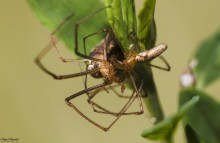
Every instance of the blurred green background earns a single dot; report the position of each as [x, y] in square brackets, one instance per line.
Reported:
[32, 106]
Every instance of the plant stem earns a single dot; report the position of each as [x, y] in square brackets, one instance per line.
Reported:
[150, 98]
[122, 18]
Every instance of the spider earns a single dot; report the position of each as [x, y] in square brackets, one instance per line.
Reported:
[106, 61]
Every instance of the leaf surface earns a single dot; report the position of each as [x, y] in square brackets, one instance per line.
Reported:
[207, 60]
[203, 118]
[52, 12]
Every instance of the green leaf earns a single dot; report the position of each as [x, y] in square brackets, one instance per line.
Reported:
[207, 58]
[117, 22]
[122, 18]
[203, 118]
[147, 39]
[191, 135]
[52, 12]
[129, 16]
[161, 130]
[146, 27]
[184, 108]
[166, 128]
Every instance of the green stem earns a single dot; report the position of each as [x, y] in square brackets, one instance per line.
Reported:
[122, 19]
[150, 98]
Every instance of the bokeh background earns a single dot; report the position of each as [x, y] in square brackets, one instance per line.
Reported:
[32, 104]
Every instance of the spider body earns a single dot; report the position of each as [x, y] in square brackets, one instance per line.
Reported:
[108, 51]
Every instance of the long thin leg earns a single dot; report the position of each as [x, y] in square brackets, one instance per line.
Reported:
[131, 99]
[86, 90]
[54, 42]
[58, 77]
[81, 69]
[104, 48]
[118, 94]
[67, 100]
[138, 95]
[106, 111]
[118, 115]
[95, 105]
[77, 25]
[105, 58]
[124, 109]
[118, 84]
[90, 35]
[129, 103]
[167, 68]
[90, 96]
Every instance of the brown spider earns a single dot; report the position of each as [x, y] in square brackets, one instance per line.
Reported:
[106, 61]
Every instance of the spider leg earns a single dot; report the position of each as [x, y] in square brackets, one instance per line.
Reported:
[138, 96]
[167, 68]
[53, 41]
[106, 111]
[55, 76]
[67, 100]
[77, 25]
[118, 94]
[124, 109]
[126, 106]
[90, 35]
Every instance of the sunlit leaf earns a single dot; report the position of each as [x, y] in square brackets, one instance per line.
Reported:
[166, 128]
[203, 118]
[52, 12]
[146, 27]
[161, 130]
[122, 19]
